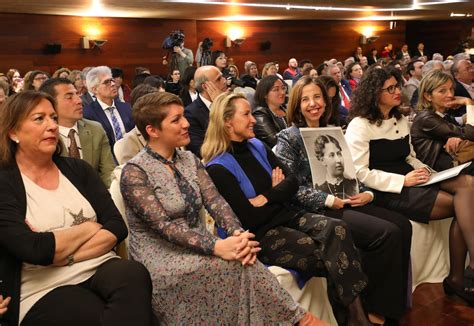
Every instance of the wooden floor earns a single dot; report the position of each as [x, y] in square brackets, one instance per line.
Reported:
[431, 307]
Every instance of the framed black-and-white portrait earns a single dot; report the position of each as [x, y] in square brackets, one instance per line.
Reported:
[332, 168]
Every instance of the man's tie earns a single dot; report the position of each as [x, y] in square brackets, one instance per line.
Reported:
[345, 99]
[73, 149]
[115, 124]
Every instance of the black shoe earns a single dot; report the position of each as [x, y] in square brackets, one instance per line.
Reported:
[451, 290]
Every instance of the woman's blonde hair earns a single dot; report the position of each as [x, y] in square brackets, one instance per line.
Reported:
[266, 68]
[429, 83]
[217, 139]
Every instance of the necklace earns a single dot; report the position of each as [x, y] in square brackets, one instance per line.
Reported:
[337, 193]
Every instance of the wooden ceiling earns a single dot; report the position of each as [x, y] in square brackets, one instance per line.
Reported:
[237, 9]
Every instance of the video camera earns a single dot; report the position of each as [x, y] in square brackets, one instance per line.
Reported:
[176, 38]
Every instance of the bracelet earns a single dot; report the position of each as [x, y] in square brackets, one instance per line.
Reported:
[70, 260]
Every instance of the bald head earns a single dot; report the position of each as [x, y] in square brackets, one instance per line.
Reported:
[209, 81]
[293, 63]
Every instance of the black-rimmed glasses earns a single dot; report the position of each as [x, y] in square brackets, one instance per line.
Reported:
[391, 89]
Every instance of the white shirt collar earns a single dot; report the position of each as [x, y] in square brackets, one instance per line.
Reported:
[64, 131]
[208, 103]
[105, 106]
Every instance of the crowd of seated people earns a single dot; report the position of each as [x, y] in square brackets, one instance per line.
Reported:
[63, 134]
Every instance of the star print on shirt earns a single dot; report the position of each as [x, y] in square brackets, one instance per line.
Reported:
[79, 218]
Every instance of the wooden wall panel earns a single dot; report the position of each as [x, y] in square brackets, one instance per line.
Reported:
[131, 42]
[137, 42]
[313, 40]
[438, 36]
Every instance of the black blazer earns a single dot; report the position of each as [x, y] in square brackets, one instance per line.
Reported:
[95, 112]
[429, 134]
[249, 81]
[185, 97]
[19, 244]
[459, 90]
[197, 114]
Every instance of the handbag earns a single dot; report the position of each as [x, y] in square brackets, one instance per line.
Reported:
[465, 152]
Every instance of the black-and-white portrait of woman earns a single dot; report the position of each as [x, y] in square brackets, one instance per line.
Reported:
[329, 153]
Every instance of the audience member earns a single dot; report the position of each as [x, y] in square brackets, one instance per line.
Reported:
[260, 200]
[114, 116]
[270, 112]
[188, 91]
[209, 83]
[172, 83]
[372, 58]
[81, 138]
[438, 57]
[345, 90]
[4, 89]
[378, 138]
[34, 80]
[140, 79]
[436, 136]
[123, 90]
[322, 69]
[292, 72]
[250, 78]
[61, 73]
[142, 70]
[133, 141]
[414, 71]
[79, 81]
[15, 80]
[219, 60]
[463, 72]
[382, 236]
[335, 113]
[155, 81]
[419, 52]
[269, 69]
[59, 257]
[358, 54]
[88, 97]
[189, 263]
[403, 54]
[353, 74]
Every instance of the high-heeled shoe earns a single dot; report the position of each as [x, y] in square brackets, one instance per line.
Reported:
[451, 290]
[469, 280]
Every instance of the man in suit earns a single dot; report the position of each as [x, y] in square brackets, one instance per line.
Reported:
[114, 116]
[345, 90]
[209, 83]
[463, 73]
[81, 138]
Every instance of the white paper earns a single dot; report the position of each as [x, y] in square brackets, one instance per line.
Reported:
[444, 175]
[470, 114]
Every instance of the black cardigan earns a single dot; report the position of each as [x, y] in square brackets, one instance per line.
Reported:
[257, 219]
[19, 244]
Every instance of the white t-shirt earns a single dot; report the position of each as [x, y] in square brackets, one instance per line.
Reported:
[47, 211]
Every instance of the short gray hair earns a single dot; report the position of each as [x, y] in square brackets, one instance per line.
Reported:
[199, 80]
[430, 65]
[437, 56]
[93, 76]
[331, 66]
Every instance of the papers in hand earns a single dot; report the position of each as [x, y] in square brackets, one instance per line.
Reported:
[446, 174]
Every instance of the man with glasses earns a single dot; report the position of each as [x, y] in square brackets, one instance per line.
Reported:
[209, 83]
[114, 116]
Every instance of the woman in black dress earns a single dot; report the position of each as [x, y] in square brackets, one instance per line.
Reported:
[379, 139]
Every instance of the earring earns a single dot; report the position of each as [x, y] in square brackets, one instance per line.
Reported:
[16, 141]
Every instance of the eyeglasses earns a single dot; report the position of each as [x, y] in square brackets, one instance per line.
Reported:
[391, 89]
[107, 82]
[278, 89]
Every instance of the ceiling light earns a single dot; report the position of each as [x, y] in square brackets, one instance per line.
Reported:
[457, 15]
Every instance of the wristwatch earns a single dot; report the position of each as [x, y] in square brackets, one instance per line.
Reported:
[70, 260]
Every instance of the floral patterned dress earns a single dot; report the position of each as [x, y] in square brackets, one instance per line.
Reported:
[190, 285]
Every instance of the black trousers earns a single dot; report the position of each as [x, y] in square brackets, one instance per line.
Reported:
[384, 240]
[317, 245]
[119, 293]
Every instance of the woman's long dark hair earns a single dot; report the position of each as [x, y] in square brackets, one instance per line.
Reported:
[366, 97]
[332, 107]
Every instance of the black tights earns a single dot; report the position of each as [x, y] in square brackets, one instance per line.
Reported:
[456, 198]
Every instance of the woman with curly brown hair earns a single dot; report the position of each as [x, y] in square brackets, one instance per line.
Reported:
[379, 139]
